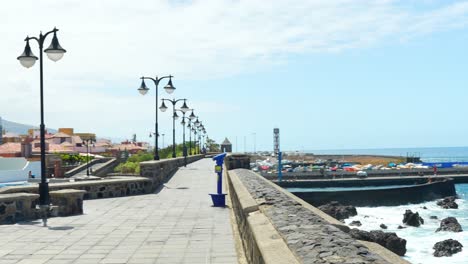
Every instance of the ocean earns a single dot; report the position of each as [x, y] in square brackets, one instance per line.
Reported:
[420, 240]
[432, 154]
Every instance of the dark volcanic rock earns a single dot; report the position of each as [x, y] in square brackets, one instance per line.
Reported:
[338, 211]
[448, 203]
[447, 248]
[412, 219]
[388, 240]
[433, 217]
[449, 224]
[424, 207]
[383, 226]
[355, 223]
[401, 227]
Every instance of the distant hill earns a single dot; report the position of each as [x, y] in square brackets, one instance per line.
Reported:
[20, 129]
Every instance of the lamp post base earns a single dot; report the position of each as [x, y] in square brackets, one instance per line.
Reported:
[219, 199]
[43, 212]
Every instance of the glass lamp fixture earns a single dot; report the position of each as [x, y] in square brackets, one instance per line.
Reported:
[176, 116]
[143, 89]
[27, 59]
[163, 107]
[192, 116]
[184, 108]
[169, 87]
[55, 52]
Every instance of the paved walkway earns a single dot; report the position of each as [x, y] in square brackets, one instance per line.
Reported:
[176, 225]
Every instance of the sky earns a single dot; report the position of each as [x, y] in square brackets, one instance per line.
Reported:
[336, 74]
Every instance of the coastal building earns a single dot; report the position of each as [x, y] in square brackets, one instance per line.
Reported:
[10, 149]
[226, 146]
[129, 147]
[10, 137]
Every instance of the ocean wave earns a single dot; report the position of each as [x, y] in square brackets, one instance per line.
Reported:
[420, 240]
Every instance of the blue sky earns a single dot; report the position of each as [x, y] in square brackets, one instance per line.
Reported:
[329, 74]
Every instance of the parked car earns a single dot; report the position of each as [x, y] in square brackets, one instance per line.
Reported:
[361, 174]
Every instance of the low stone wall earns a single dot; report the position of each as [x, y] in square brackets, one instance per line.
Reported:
[17, 203]
[158, 171]
[17, 207]
[105, 188]
[68, 202]
[277, 227]
[106, 168]
[383, 197]
[237, 161]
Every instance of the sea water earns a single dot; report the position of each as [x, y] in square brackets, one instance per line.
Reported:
[420, 240]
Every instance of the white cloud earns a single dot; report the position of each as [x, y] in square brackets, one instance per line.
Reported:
[111, 42]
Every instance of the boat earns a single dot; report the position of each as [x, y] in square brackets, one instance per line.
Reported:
[13, 170]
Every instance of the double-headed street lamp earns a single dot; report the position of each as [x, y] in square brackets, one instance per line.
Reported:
[184, 109]
[54, 52]
[143, 90]
[195, 130]
[189, 118]
[88, 142]
[191, 126]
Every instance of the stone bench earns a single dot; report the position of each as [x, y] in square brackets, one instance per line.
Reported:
[17, 207]
[67, 201]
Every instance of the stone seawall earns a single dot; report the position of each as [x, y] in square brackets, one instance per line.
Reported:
[371, 173]
[277, 227]
[106, 188]
[158, 171]
[383, 197]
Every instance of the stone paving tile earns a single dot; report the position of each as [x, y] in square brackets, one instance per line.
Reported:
[172, 226]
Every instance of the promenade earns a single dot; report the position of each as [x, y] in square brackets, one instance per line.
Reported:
[177, 224]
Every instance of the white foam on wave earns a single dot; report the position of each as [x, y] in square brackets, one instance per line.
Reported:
[419, 240]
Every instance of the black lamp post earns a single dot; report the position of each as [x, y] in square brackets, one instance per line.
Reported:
[195, 127]
[194, 139]
[190, 127]
[54, 52]
[143, 90]
[184, 109]
[189, 118]
[200, 128]
[88, 142]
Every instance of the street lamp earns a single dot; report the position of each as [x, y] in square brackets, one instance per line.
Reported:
[169, 88]
[54, 52]
[190, 126]
[184, 109]
[88, 143]
[189, 118]
[199, 128]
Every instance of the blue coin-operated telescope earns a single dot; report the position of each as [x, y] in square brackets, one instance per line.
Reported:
[219, 199]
